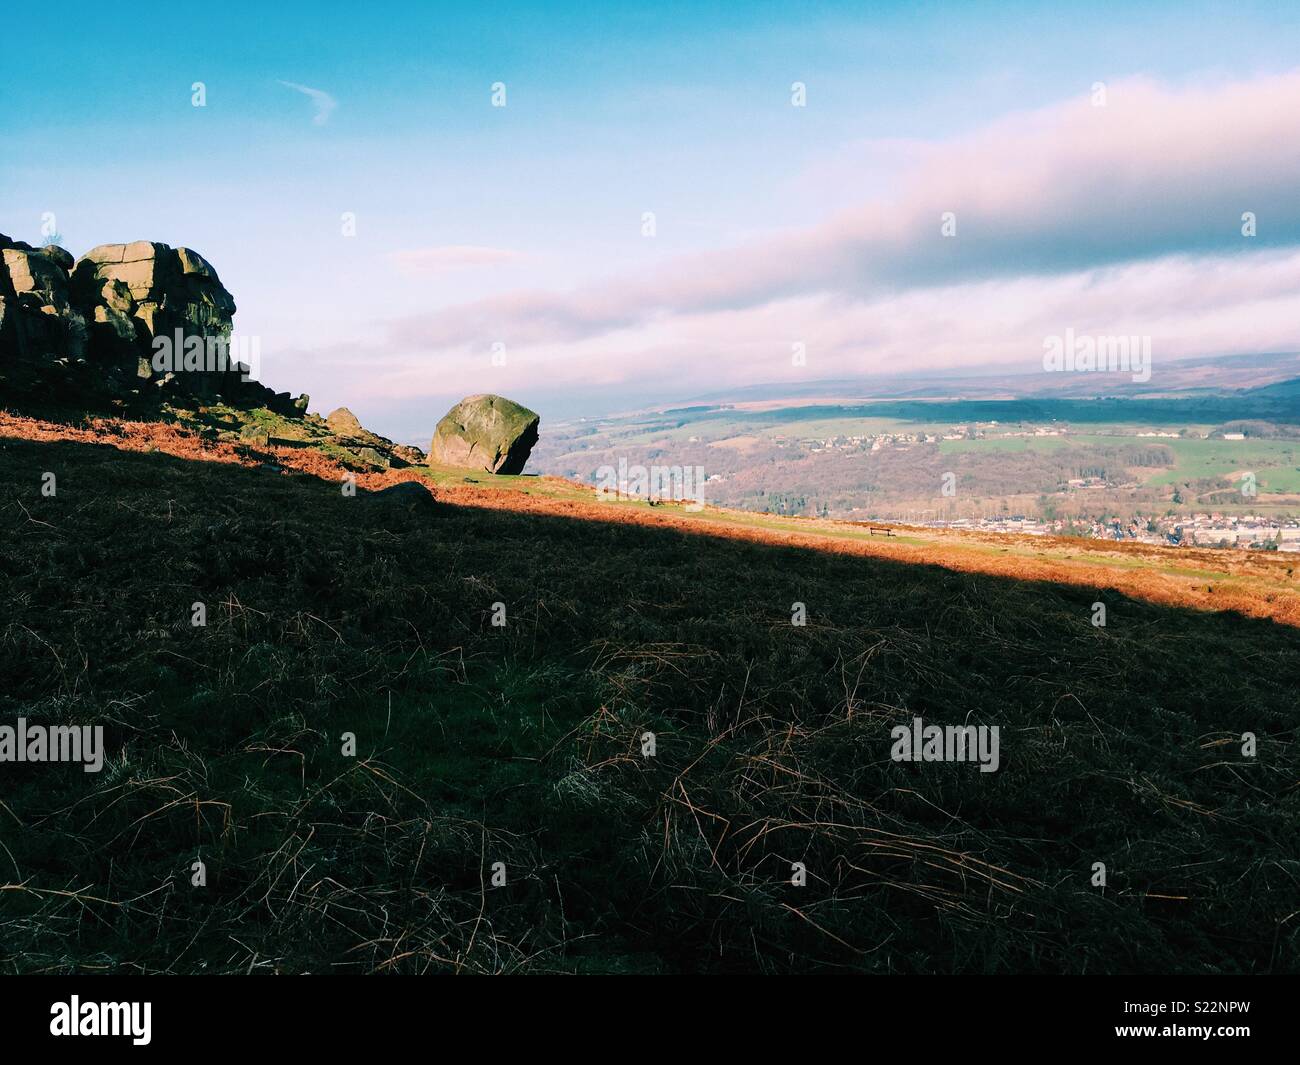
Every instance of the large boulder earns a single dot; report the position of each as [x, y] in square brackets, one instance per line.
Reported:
[408, 454]
[407, 493]
[342, 422]
[37, 318]
[485, 433]
[84, 332]
[87, 333]
[161, 288]
[58, 255]
[33, 271]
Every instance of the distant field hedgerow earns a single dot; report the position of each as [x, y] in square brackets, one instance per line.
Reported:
[466, 739]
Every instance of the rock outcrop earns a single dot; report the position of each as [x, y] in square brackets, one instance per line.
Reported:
[408, 453]
[343, 422]
[407, 493]
[126, 325]
[38, 322]
[145, 330]
[374, 451]
[161, 287]
[485, 432]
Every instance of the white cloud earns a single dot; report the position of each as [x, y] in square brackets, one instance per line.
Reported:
[1122, 220]
[323, 102]
[1189, 306]
[1156, 172]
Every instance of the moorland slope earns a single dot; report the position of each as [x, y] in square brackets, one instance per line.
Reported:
[498, 659]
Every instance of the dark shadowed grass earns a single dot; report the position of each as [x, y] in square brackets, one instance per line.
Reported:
[522, 744]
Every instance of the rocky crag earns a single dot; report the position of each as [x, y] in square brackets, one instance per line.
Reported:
[88, 327]
[146, 331]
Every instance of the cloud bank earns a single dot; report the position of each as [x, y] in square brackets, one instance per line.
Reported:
[1122, 218]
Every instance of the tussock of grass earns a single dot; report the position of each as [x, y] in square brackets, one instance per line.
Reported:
[478, 744]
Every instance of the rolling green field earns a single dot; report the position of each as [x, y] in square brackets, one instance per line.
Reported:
[1100, 426]
[1004, 443]
[1276, 463]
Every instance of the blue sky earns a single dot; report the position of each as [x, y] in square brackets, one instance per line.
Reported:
[680, 109]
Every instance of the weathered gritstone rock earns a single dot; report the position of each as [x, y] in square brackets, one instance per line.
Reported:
[163, 288]
[80, 335]
[485, 432]
[83, 330]
[33, 271]
[60, 256]
[412, 456]
[348, 432]
[407, 493]
[372, 457]
[343, 422]
[37, 318]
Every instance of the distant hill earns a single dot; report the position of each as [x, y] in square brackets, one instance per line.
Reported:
[1217, 375]
[1281, 390]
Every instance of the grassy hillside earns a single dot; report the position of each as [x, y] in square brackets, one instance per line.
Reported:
[521, 744]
